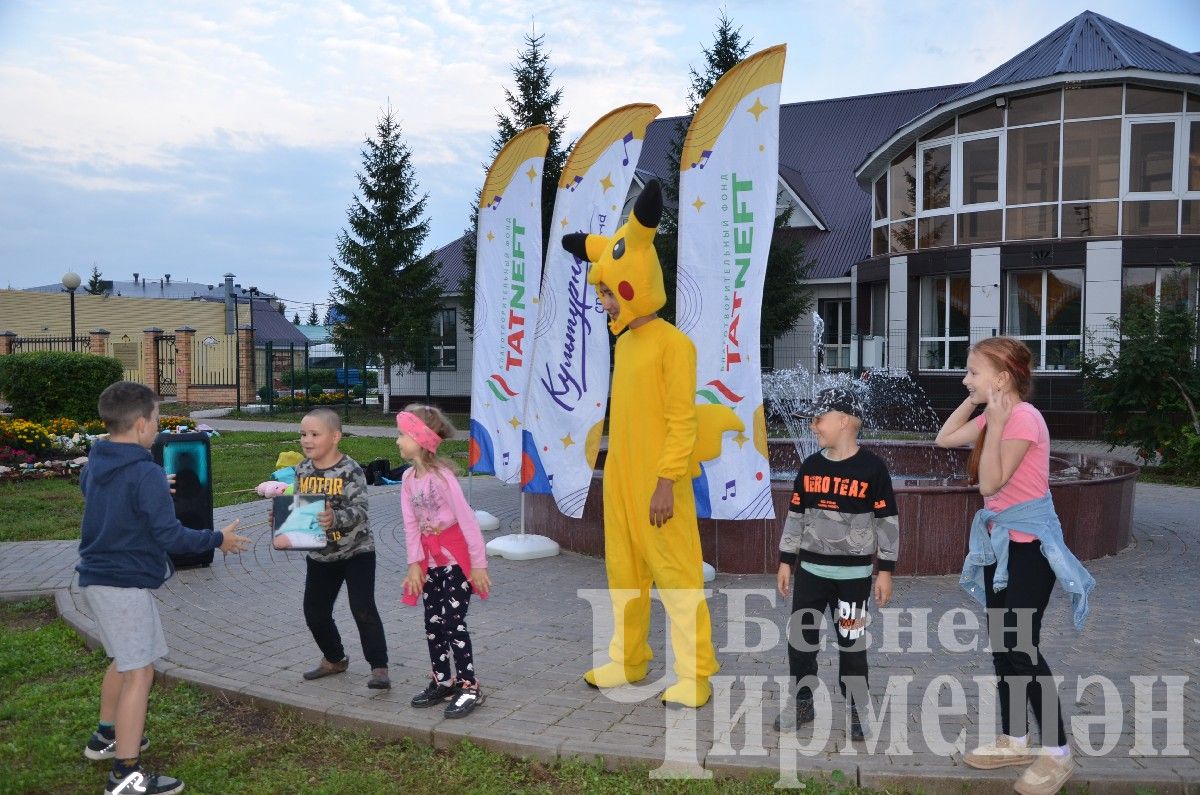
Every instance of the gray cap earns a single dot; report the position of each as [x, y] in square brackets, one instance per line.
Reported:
[832, 399]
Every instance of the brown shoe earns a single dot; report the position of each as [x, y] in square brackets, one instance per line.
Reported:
[326, 668]
[379, 679]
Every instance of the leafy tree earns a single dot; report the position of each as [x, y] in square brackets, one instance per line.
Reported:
[535, 101]
[1142, 377]
[296, 319]
[386, 290]
[94, 285]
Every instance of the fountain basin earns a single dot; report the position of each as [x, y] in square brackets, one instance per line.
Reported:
[1093, 496]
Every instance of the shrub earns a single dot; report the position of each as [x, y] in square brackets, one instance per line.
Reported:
[359, 390]
[316, 390]
[42, 385]
[11, 457]
[63, 426]
[25, 435]
[329, 377]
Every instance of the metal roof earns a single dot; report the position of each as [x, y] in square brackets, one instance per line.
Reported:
[1088, 43]
[270, 326]
[453, 266]
[161, 288]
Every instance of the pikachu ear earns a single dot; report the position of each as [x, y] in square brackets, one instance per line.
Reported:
[589, 248]
[648, 208]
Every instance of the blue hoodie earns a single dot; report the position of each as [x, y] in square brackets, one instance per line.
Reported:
[129, 523]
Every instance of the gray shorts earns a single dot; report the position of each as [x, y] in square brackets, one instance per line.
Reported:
[129, 626]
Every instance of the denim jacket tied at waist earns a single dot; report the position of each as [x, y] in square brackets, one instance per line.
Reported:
[1037, 518]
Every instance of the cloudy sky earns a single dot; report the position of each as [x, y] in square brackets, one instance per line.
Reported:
[199, 138]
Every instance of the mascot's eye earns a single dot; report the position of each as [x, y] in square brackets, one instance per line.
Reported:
[619, 249]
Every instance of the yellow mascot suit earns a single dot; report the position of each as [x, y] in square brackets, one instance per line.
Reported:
[655, 431]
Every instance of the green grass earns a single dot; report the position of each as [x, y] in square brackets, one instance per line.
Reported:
[52, 509]
[1169, 477]
[40, 510]
[355, 414]
[51, 687]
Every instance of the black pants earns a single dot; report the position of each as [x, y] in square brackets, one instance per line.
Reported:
[1016, 654]
[846, 601]
[321, 587]
[447, 599]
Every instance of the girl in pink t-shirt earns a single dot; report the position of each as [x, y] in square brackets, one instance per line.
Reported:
[446, 559]
[1010, 462]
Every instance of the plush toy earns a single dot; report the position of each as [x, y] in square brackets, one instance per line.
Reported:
[273, 488]
[288, 458]
[657, 438]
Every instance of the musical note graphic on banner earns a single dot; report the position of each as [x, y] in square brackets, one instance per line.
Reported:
[703, 161]
[628, 139]
[730, 490]
[506, 457]
[494, 203]
[575, 183]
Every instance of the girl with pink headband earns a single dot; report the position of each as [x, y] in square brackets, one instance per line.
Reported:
[446, 558]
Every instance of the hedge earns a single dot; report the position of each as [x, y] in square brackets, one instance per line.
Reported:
[326, 377]
[42, 385]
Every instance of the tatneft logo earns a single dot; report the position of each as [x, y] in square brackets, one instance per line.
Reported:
[743, 247]
[516, 300]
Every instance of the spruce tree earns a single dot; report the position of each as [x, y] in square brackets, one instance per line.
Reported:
[93, 286]
[386, 289]
[312, 315]
[535, 101]
[296, 319]
[787, 266]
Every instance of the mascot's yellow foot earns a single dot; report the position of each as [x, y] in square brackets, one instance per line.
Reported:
[692, 693]
[615, 675]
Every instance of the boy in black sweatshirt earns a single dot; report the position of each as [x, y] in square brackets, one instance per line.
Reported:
[129, 529]
[842, 519]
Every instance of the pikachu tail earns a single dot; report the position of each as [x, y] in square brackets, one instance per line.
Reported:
[712, 422]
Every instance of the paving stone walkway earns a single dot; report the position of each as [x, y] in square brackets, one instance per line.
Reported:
[237, 627]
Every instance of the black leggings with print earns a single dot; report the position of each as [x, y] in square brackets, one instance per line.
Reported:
[447, 597]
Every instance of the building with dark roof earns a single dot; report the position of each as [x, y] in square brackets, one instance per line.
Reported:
[1027, 203]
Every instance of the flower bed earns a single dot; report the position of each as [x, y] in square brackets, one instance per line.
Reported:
[58, 447]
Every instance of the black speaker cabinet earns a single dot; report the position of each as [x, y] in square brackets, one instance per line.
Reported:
[188, 457]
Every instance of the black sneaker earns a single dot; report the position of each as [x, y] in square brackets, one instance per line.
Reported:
[465, 702]
[139, 782]
[805, 713]
[433, 694]
[856, 729]
[98, 747]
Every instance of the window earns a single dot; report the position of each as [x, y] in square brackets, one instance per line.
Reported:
[1156, 284]
[945, 319]
[1045, 309]
[445, 339]
[835, 338]
[1151, 157]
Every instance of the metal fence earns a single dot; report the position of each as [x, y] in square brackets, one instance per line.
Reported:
[27, 344]
[215, 360]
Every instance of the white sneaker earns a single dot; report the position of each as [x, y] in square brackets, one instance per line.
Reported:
[1046, 776]
[1002, 753]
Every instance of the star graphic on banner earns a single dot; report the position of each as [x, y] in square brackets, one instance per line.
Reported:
[757, 108]
[516, 423]
[567, 441]
[564, 223]
[535, 299]
[491, 237]
[698, 203]
[533, 174]
[607, 182]
[762, 148]
[741, 439]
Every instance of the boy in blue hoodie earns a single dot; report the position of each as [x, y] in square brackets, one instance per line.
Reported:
[129, 527]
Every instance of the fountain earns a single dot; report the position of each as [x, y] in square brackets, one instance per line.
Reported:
[1092, 494]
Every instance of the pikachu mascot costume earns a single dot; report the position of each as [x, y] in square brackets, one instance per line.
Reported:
[656, 431]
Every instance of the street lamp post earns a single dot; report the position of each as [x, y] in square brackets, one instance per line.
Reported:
[70, 283]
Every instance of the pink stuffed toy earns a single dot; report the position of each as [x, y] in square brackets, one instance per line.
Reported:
[272, 488]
